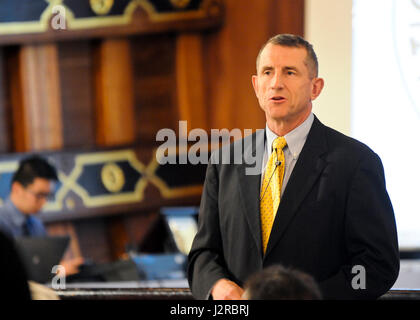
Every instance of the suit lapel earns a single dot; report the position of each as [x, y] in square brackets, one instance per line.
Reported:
[249, 173]
[305, 173]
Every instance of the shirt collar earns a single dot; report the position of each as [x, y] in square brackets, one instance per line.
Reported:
[295, 139]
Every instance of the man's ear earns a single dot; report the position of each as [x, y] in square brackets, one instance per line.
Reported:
[16, 187]
[317, 86]
[255, 84]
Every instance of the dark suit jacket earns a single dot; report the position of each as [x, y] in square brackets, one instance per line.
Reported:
[335, 214]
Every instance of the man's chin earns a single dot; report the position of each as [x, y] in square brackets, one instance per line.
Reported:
[278, 117]
[32, 212]
[277, 112]
[282, 116]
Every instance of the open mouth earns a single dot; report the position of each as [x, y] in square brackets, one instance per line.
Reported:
[278, 98]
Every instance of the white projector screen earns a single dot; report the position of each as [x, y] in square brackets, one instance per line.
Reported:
[385, 105]
[369, 54]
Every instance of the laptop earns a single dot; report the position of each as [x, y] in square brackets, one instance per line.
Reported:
[40, 254]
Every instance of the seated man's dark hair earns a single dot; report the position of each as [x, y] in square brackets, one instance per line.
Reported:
[34, 167]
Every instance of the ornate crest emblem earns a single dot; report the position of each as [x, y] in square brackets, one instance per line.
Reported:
[180, 4]
[406, 32]
[101, 7]
[112, 177]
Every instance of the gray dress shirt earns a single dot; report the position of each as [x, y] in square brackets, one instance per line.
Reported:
[13, 222]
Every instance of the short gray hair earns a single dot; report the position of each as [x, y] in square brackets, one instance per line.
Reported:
[294, 41]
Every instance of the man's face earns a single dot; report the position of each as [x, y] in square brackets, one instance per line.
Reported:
[31, 199]
[283, 84]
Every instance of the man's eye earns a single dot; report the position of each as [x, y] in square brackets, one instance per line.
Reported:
[267, 72]
[290, 73]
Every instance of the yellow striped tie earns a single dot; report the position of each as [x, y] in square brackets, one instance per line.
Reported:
[271, 188]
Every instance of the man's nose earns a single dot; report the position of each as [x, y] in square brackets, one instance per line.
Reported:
[277, 81]
[42, 202]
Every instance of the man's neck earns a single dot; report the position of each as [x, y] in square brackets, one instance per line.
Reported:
[283, 127]
[16, 204]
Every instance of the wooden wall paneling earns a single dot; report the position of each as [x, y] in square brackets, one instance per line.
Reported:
[75, 64]
[66, 228]
[114, 93]
[6, 137]
[94, 240]
[154, 84]
[137, 226]
[117, 236]
[191, 104]
[287, 17]
[36, 99]
[115, 125]
[15, 99]
[121, 19]
[230, 55]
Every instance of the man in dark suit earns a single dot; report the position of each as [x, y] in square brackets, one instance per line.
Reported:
[318, 203]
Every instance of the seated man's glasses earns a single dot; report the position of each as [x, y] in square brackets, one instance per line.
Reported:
[41, 195]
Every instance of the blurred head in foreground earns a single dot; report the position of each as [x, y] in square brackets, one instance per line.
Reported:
[280, 283]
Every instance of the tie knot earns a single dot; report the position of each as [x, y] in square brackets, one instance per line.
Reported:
[279, 143]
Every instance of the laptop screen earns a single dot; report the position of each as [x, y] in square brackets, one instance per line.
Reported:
[40, 255]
